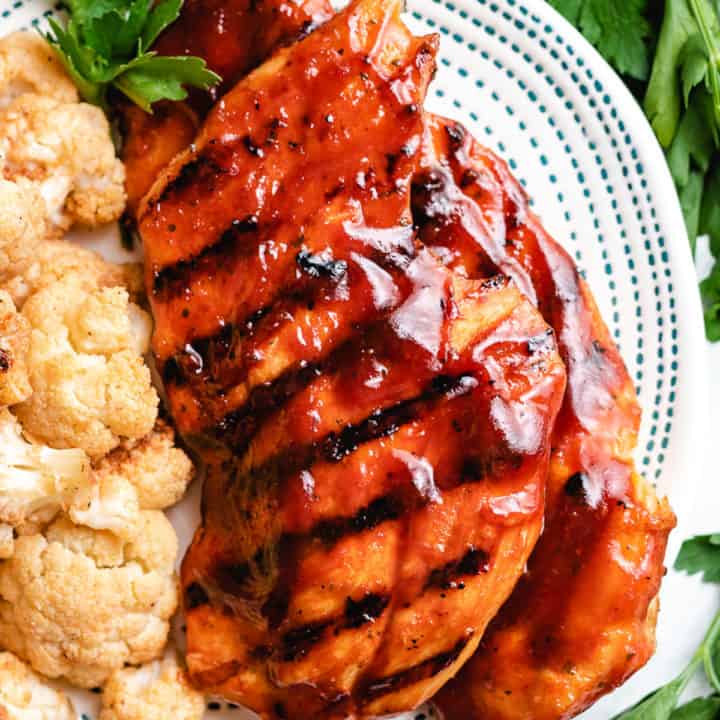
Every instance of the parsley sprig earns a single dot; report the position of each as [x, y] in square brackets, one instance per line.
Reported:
[670, 58]
[700, 554]
[107, 43]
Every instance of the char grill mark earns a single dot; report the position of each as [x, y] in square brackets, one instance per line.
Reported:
[298, 641]
[375, 688]
[232, 578]
[329, 532]
[172, 280]
[417, 387]
[206, 173]
[320, 273]
[267, 479]
[395, 505]
[237, 427]
[203, 169]
[199, 360]
[379, 511]
[318, 266]
[337, 446]
[195, 596]
[474, 562]
[392, 506]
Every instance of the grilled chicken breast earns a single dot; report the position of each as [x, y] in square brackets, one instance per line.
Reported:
[233, 37]
[376, 427]
[239, 374]
[582, 619]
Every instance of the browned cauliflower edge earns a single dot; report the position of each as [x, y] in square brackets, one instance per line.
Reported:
[80, 604]
[91, 387]
[36, 482]
[28, 65]
[24, 696]
[14, 346]
[156, 691]
[65, 149]
[159, 471]
[22, 226]
[55, 259]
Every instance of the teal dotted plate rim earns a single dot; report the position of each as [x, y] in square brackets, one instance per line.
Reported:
[532, 89]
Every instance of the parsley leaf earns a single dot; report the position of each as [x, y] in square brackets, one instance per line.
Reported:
[618, 28]
[162, 15]
[693, 64]
[706, 708]
[106, 43]
[663, 99]
[710, 211]
[701, 554]
[681, 99]
[160, 78]
[689, 158]
[660, 704]
[710, 291]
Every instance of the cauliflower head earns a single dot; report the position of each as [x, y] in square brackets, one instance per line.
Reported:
[14, 347]
[55, 259]
[109, 502]
[66, 150]
[36, 482]
[159, 471]
[23, 696]
[156, 691]
[81, 604]
[146, 474]
[29, 65]
[22, 226]
[91, 387]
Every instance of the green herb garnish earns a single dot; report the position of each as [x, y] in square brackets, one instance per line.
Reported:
[700, 554]
[669, 54]
[618, 28]
[107, 43]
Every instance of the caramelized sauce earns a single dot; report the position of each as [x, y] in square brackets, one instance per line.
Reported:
[474, 214]
[233, 37]
[376, 428]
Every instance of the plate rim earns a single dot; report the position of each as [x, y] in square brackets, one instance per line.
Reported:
[695, 375]
[693, 372]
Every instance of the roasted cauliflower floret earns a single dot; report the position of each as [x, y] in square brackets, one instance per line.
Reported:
[36, 482]
[159, 471]
[109, 502]
[24, 696]
[147, 474]
[81, 604]
[90, 385]
[67, 151]
[156, 691]
[28, 65]
[56, 259]
[14, 346]
[22, 226]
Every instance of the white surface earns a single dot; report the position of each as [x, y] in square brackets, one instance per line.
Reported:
[531, 74]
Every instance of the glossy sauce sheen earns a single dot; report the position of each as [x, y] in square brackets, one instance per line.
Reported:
[560, 642]
[376, 427]
[582, 619]
[233, 37]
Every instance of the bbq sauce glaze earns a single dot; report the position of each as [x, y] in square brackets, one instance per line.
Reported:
[376, 427]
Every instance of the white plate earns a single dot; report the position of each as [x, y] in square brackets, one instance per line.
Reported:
[532, 89]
